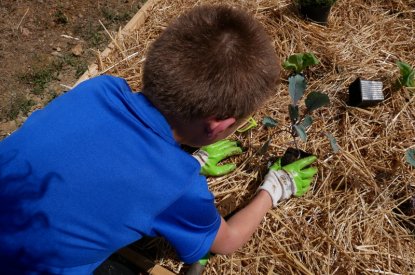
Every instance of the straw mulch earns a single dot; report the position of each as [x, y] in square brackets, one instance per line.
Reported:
[355, 219]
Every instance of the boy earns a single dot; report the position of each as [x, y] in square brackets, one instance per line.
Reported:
[100, 166]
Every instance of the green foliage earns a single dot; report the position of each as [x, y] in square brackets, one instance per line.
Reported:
[300, 130]
[294, 113]
[322, 3]
[333, 143]
[316, 100]
[307, 121]
[269, 122]
[300, 61]
[313, 101]
[407, 78]
[410, 156]
[301, 120]
[296, 88]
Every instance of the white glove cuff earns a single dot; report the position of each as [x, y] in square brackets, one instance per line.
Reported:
[279, 185]
[201, 156]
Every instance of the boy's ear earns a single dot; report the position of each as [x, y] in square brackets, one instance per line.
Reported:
[217, 126]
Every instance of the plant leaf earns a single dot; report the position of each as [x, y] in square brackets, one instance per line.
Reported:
[309, 59]
[301, 132]
[316, 100]
[405, 68]
[307, 121]
[300, 61]
[269, 122]
[333, 143]
[296, 87]
[289, 66]
[410, 156]
[294, 62]
[407, 74]
[293, 113]
[410, 80]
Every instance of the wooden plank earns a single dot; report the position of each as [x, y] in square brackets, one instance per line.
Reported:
[135, 23]
[143, 263]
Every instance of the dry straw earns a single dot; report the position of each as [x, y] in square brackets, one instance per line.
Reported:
[350, 222]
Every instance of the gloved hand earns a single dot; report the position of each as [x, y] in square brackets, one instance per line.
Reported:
[292, 179]
[209, 156]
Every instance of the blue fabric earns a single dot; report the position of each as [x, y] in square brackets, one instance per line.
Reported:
[92, 172]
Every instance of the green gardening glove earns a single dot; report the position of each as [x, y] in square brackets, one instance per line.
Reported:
[209, 156]
[292, 179]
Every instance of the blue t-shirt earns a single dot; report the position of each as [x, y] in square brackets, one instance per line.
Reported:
[92, 172]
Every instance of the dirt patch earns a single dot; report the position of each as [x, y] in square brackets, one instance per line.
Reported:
[46, 45]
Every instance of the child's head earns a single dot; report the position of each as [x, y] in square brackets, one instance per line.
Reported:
[213, 62]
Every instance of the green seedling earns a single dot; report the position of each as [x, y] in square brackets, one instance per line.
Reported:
[314, 100]
[407, 78]
[299, 62]
[301, 120]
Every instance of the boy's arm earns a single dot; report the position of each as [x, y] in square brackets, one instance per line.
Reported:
[280, 183]
[239, 228]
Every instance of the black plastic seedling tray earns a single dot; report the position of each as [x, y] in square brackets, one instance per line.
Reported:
[364, 93]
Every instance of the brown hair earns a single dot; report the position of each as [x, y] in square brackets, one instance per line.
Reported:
[212, 61]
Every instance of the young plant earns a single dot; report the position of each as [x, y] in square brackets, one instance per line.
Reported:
[313, 101]
[301, 120]
[407, 78]
[299, 62]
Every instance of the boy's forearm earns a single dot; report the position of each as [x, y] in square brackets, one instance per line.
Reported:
[239, 228]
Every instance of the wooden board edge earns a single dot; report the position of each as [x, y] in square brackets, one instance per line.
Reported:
[143, 263]
[135, 23]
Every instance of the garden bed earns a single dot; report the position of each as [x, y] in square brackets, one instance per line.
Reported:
[351, 221]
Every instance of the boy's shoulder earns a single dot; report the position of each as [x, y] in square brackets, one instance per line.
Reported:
[103, 81]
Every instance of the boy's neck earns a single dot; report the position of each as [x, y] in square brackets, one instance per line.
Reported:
[191, 133]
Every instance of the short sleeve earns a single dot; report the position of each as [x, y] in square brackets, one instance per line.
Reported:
[191, 223]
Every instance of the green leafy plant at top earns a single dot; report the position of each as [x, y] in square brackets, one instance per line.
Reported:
[299, 62]
[301, 120]
[322, 3]
[407, 78]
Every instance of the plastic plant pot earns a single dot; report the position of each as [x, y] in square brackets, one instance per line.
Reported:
[317, 14]
[364, 93]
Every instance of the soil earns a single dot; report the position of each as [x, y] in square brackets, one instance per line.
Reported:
[292, 154]
[46, 45]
